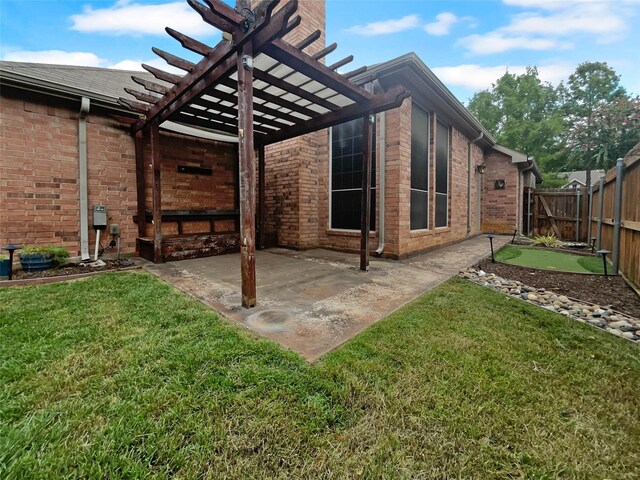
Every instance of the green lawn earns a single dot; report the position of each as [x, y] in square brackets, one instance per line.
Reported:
[120, 376]
[549, 259]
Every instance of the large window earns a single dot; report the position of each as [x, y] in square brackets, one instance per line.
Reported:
[419, 168]
[346, 176]
[442, 175]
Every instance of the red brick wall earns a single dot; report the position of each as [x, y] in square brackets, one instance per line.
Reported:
[500, 207]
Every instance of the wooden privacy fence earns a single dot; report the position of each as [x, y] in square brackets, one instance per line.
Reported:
[562, 212]
[629, 248]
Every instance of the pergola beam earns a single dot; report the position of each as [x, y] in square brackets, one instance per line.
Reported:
[309, 40]
[161, 74]
[174, 60]
[324, 52]
[288, 87]
[143, 97]
[150, 86]
[189, 43]
[213, 16]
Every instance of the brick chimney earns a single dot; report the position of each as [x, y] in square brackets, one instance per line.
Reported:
[291, 167]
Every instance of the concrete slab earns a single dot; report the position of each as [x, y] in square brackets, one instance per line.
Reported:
[312, 301]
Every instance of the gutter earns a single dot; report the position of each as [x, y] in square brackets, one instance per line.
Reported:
[83, 182]
[382, 154]
[469, 180]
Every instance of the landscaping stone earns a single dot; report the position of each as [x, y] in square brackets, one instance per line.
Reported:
[605, 318]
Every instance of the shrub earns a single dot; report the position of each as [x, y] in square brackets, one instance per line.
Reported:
[58, 254]
[547, 241]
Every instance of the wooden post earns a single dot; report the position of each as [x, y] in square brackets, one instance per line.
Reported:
[140, 184]
[247, 162]
[366, 192]
[262, 200]
[157, 193]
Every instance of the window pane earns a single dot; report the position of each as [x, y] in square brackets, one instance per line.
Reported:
[442, 158]
[419, 148]
[346, 208]
[419, 204]
[441, 210]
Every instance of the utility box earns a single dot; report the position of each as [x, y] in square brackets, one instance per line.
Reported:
[99, 217]
[114, 229]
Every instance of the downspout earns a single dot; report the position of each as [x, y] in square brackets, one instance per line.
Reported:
[85, 105]
[469, 180]
[382, 154]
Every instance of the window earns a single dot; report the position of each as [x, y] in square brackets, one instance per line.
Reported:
[346, 176]
[442, 175]
[419, 168]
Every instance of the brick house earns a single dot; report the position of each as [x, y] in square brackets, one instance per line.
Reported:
[427, 187]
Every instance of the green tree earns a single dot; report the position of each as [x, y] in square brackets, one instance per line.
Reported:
[523, 113]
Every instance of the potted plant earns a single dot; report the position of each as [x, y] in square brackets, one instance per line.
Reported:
[35, 258]
[5, 265]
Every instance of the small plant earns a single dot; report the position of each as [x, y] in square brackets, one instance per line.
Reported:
[4, 257]
[58, 254]
[550, 241]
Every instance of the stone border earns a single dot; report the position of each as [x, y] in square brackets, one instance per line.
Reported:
[61, 278]
[607, 319]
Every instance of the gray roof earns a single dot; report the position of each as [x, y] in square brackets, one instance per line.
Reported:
[581, 176]
[102, 85]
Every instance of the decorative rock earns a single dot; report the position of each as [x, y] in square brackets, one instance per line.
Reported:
[563, 299]
[619, 324]
[628, 335]
[532, 297]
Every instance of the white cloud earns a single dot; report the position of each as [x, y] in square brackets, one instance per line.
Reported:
[128, 18]
[498, 42]
[136, 65]
[57, 57]
[385, 27]
[477, 77]
[442, 25]
[551, 24]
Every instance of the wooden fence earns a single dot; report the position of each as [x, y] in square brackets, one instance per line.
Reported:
[563, 212]
[629, 260]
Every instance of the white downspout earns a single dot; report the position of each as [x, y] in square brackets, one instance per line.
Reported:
[382, 153]
[85, 105]
[480, 137]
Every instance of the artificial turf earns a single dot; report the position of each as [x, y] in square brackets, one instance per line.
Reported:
[549, 259]
[121, 376]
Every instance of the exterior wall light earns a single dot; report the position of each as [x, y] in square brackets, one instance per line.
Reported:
[247, 62]
[481, 168]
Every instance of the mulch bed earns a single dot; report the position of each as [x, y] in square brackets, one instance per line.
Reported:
[72, 269]
[598, 289]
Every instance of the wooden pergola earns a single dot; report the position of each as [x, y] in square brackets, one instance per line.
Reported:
[255, 85]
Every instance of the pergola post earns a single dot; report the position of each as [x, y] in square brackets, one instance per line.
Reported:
[157, 192]
[247, 162]
[367, 138]
[140, 184]
[262, 199]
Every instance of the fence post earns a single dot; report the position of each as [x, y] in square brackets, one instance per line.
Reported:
[600, 207]
[590, 187]
[578, 192]
[617, 214]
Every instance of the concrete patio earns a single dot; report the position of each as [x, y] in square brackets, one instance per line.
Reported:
[312, 301]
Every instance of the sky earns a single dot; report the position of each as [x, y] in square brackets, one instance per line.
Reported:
[467, 43]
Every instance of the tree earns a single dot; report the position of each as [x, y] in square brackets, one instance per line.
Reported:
[523, 113]
[593, 95]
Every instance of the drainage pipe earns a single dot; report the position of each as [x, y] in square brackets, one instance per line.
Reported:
[469, 180]
[617, 215]
[382, 154]
[85, 105]
[600, 208]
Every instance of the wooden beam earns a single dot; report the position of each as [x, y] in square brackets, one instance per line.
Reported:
[143, 97]
[174, 60]
[133, 105]
[225, 11]
[390, 99]
[365, 217]
[355, 72]
[262, 198]
[149, 85]
[189, 43]
[289, 87]
[218, 63]
[180, 117]
[157, 192]
[341, 63]
[309, 40]
[212, 15]
[161, 74]
[300, 61]
[247, 162]
[324, 52]
[140, 184]
[203, 102]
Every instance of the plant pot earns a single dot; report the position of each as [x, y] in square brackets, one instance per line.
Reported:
[36, 262]
[5, 265]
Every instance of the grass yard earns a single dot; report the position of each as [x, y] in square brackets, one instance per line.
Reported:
[120, 376]
[549, 259]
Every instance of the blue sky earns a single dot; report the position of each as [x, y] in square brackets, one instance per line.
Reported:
[468, 43]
